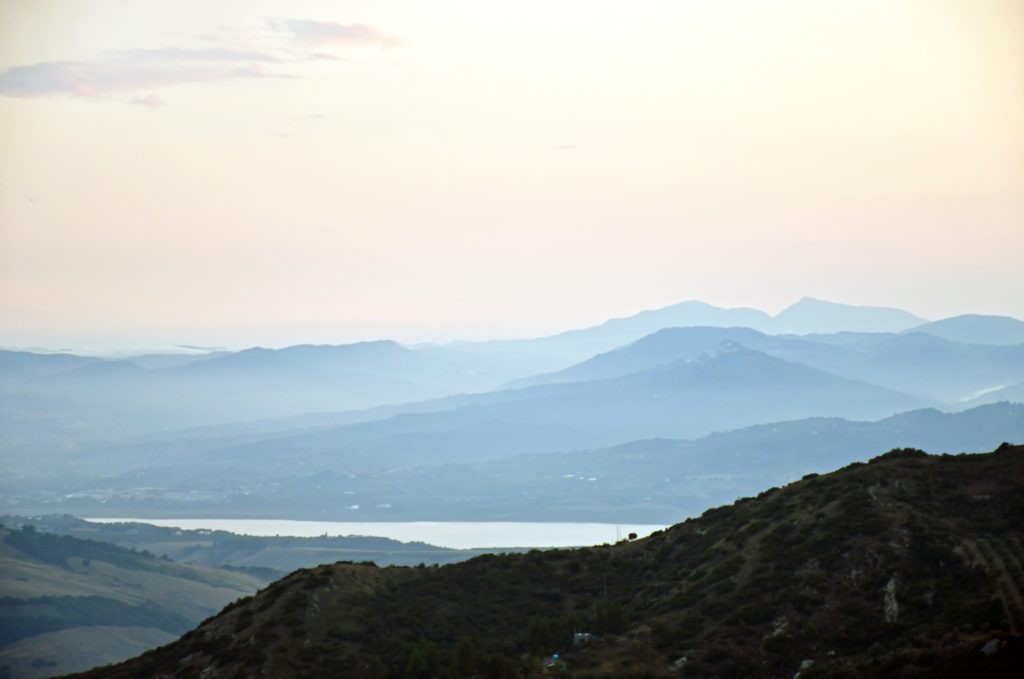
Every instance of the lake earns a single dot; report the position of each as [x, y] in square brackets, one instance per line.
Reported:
[454, 534]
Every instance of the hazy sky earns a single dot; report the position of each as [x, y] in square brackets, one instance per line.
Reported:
[240, 173]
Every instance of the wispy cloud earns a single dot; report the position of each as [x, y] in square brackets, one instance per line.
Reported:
[132, 76]
[148, 100]
[134, 72]
[206, 54]
[309, 33]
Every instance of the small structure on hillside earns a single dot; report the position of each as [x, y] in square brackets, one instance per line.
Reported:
[582, 637]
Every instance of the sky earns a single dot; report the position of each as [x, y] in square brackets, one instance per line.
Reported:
[229, 173]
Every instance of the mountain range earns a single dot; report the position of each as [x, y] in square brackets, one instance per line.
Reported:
[927, 366]
[730, 388]
[85, 432]
[805, 316]
[64, 400]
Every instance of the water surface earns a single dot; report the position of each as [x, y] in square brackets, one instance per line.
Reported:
[455, 534]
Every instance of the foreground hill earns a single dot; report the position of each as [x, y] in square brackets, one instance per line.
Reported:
[907, 566]
[68, 604]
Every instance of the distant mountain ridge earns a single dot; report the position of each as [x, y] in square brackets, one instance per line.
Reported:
[806, 316]
[735, 387]
[643, 481]
[976, 329]
[916, 363]
[811, 315]
[58, 402]
[121, 396]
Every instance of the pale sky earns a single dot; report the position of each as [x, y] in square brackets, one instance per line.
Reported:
[238, 173]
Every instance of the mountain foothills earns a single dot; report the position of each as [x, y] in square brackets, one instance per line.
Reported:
[74, 594]
[655, 481]
[69, 604]
[268, 557]
[909, 565]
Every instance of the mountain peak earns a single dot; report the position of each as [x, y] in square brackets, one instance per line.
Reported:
[812, 315]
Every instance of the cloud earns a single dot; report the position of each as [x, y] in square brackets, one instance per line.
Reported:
[133, 72]
[308, 33]
[133, 75]
[149, 101]
[209, 54]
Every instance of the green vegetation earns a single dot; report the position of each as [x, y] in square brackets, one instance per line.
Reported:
[266, 558]
[29, 617]
[871, 570]
[58, 549]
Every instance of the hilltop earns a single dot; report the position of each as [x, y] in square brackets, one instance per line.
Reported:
[909, 565]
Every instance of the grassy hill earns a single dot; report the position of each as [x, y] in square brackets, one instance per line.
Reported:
[68, 604]
[263, 556]
[909, 565]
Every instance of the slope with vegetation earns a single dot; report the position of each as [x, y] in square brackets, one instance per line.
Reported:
[265, 556]
[67, 604]
[909, 565]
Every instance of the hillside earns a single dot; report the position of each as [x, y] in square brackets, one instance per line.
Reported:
[909, 565]
[68, 604]
[270, 557]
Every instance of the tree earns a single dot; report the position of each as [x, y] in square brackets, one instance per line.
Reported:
[467, 657]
